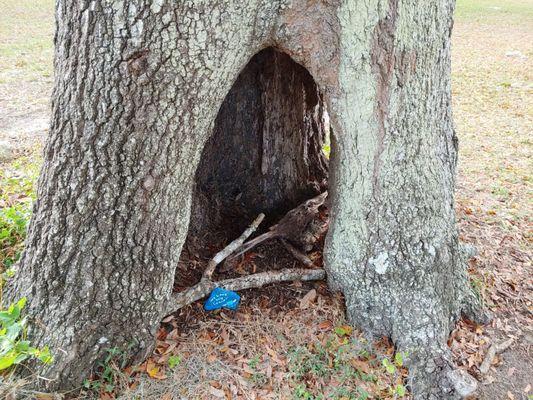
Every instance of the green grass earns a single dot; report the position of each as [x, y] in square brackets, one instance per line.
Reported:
[479, 10]
[336, 360]
[17, 194]
[26, 39]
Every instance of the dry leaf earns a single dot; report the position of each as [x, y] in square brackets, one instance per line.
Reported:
[153, 371]
[151, 368]
[309, 298]
[45, 396]
[325, 325]
[217, 392]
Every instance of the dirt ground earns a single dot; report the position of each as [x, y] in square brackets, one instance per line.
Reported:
[492, 88]
[277, 346]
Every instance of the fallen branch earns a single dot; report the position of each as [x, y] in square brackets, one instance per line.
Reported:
[494, 349]
[292, 226]
[202, 289]
[297, 253]
[230, 248]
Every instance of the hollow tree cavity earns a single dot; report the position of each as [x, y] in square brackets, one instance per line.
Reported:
[266, 150]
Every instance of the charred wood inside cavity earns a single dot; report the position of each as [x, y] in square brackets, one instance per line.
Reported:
[265, 152]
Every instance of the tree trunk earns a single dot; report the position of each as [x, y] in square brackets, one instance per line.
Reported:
[138, 88]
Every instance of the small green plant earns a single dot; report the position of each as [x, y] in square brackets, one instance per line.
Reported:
[14, 348]
[500, 191]
[301, 392]
[326, 149]
[254, 362]
[398, 359]
[16, 200]
[174, 361]
[109, 373]
[391, 367]
[363, 394]
[343, 330]
[400, 390]
[340, 358]
[13, 224]
[258, 378]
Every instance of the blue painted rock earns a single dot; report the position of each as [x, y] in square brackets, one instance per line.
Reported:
[222, 298]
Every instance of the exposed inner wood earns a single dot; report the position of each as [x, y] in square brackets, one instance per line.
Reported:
[265, 154]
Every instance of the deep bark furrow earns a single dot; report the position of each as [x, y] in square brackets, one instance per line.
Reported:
[107, 174]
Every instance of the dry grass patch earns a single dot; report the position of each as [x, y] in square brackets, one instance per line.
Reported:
[492, 70]
[274, 347]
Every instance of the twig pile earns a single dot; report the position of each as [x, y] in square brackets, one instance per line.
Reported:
[305, 212]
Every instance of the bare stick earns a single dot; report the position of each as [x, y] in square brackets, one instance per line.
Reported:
[202, 289]
[206, 285]
[297, 253]
[494, 349]
[252, 243]
[266, 278]
[230, 248]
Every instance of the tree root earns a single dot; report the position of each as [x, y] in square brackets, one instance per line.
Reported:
[494, 349]
[433, 376]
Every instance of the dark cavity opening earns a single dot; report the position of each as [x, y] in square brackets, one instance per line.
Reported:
[266, 154]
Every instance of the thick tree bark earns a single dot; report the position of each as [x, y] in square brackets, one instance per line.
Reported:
[138, 88]
[392, 247]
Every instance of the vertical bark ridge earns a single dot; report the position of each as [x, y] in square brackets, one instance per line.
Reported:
[398, 258]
